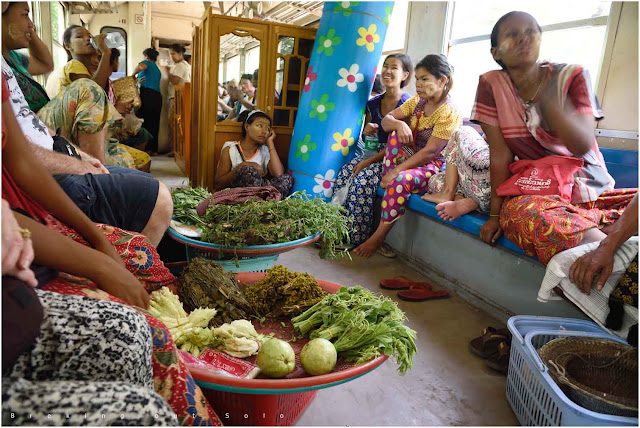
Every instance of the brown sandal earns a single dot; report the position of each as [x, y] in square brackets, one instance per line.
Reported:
[500, 360]
[487, 344]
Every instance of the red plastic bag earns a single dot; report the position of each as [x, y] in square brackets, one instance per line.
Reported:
[550, 175]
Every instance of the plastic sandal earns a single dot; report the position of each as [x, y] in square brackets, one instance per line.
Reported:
[386, 251]
[402, 282]
[486, 345]
[500, 360]
[420, 294]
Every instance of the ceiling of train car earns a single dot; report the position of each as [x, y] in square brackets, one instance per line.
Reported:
[173, 21]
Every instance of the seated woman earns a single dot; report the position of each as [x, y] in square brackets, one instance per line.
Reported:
[465, 186]
[85, 62]
[75, 110]
[96, 261]
[413, 154]
[245, 163]
[55, 345]
[367, 173]
[533, 109]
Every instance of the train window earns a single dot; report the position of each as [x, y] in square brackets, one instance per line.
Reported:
[57, 11]
[117, 37]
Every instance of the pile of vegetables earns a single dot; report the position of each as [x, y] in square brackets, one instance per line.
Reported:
[266, 222]
[205, 284]
[282, 292]
[185, 202]
[192, 334]
[361, 326]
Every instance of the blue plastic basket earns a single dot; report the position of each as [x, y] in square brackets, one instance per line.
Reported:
[241, 264]
[533, 395]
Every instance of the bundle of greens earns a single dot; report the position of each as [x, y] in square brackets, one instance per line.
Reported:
[282, 292]
[185, 202]
[205, 284]
[271, 222]
[361, 326]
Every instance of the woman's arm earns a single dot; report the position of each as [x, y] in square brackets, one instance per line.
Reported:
[141, 66]
[500, 158]
[32, 177]
[395, 121]
[58, 252]
[224, 106]
[224, 173]
[40, 59]
[275, 167]
[420, 158]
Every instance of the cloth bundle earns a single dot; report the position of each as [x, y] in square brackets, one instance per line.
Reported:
[237, 195]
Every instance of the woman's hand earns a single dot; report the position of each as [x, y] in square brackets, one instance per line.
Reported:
[388, 178]
[271, 139]
[17, 252]
[491, 231]
[370, 129]
[116, 280]
[99, 40]
[404, 133]
[360, 166]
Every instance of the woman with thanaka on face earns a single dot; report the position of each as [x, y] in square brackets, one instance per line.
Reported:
[247, 162]
[367, 173]
[532, 109]
[413, 153]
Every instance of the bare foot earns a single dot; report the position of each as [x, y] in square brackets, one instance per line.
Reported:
[439, 197]
[453, 209]
[368, 247]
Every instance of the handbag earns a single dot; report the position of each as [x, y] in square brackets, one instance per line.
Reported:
[550, 175]
[61, 145]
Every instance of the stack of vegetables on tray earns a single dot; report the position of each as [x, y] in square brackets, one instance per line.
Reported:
[256, 222]
[354, 324]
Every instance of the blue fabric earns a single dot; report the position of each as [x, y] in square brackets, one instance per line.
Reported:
[360, 197]
[150, 78]
[374, 108]
[622, 165]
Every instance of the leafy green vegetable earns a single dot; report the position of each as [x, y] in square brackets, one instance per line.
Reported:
[361, 326]
[185, 202]
[271, 222]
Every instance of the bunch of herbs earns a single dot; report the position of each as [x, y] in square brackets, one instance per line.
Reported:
[185, 202]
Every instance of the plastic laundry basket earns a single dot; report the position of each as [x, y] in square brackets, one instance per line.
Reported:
[534, 397]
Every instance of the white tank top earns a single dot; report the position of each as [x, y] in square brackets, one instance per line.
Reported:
[261, 157]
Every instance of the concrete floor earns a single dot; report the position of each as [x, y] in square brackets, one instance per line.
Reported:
[447, 385]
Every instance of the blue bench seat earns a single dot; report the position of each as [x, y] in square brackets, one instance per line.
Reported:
[622, 165]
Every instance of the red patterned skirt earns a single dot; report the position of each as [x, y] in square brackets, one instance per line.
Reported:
[543, 226]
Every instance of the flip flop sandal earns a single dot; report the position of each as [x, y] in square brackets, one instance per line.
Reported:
[420, 294]
[487, 344]
[500, 360]
[402, 282]
[386, 251]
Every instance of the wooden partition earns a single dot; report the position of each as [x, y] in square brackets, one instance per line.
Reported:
[284, 52]
[182, 127]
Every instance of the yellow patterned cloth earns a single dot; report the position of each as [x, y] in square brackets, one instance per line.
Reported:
[444, 120]
[140, 158]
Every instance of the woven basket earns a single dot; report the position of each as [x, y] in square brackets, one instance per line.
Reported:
[126, 90]
[598, 374]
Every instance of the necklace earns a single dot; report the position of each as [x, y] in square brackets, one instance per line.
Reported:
[528, 102]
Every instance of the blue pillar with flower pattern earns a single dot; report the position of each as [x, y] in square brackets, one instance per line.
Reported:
[337, 86]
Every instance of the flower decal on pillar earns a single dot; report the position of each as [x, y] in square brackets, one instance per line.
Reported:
[311, 76]
[350, 78]
[368, 37]
[321, 107]
[343, 141]
[345, 7]
[361, 117]
[327, 42]
[324, 183]
[375, 71]
[305, 146]
[387, 10]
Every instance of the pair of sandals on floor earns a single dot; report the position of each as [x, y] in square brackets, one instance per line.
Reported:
[411, 290]
[495, 346]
